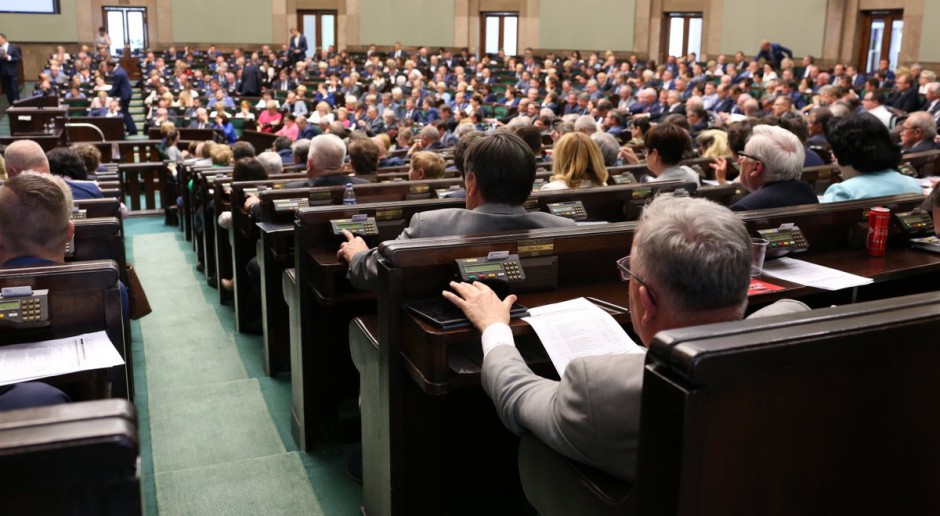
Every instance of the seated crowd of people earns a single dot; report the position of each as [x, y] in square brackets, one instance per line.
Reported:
[344, 115]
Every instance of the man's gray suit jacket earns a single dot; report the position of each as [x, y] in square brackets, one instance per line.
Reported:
[593, 414]
[486, 218]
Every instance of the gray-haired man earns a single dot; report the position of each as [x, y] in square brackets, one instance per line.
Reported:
[694, 259]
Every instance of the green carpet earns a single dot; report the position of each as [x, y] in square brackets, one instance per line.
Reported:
[210, 424]
[215, 431]
[240, 488]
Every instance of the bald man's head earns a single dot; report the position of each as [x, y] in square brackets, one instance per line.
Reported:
[23, 155]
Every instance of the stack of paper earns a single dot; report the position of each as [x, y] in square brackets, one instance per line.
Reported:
[25, 362]
[578, 328]
[812, 275]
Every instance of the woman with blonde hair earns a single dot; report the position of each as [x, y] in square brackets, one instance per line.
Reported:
[577, 162]
[185, 99]
[713, 143]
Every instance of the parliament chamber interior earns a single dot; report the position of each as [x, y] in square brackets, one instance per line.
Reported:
[462, 257]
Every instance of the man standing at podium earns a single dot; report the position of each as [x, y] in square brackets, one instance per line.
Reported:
[9, 56]
[121, 88]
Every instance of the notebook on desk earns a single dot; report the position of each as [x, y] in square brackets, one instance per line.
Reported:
[930, 243]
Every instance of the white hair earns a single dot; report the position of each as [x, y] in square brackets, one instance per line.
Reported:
[327, 152]
[779, 150]
[585, 124]
[271, 162]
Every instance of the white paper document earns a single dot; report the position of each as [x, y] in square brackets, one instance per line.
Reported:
[34, 360]
[578, 328]
[812, 275]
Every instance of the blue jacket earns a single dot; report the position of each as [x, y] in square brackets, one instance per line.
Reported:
[775, 55]
[873, 184]
[120, 85]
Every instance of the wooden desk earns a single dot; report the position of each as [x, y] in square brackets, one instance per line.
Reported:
[32, 120]
[83, 297]
[45, 140]
[414, 396]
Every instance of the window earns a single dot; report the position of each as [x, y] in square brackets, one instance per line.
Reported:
[682, 35]
[319, 27]
[882, 31]
[127, 27]
[499, 31]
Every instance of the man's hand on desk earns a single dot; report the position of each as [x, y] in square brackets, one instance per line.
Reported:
[480, 304]
[251, 200]
[351, 247]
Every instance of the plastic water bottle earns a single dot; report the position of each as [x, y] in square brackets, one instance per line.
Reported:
[349, 196]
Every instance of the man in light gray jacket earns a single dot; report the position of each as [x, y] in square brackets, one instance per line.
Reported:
[690, 265]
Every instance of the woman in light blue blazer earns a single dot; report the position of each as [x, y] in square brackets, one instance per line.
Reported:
[867, 158]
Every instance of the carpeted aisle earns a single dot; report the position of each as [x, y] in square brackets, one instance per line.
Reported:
[215, 447]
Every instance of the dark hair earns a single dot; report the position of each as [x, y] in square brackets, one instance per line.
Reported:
[531, 136]
[862, 142]
[643, 124]
[364, 155]
[932, 202]
[90, 155]
[461, 148]
[242, 150]
[677, 119]
[248, 169]
[281, 143]
[822, 116]
[738, 133]
[795, 126]
[65, 162]
[670, 140]
[504, 167]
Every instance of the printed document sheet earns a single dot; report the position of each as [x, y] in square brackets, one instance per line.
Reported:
[812, 275]
[578, 328]
[34, 360]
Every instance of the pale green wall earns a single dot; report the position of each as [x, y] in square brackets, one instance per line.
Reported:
[43, 27]
[222, 21]
[412, 22]
[929, 35]
[587, 24]
[796, 24]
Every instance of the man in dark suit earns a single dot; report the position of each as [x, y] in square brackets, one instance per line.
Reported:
[933, 101]
[305, 130]
[398, 52]
[500, 171]
[121, 88]
[773, 53]
[816, 125]
[918, 133]
[251, 80]
[284, 82]
[858, 79]
[905, 96]
[769, 187]
[297, 46]
[9, 55]
[409, 111]
[325, 164]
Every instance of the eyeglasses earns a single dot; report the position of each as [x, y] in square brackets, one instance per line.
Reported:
[623, 265]
[905, 128]
[748, 156]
